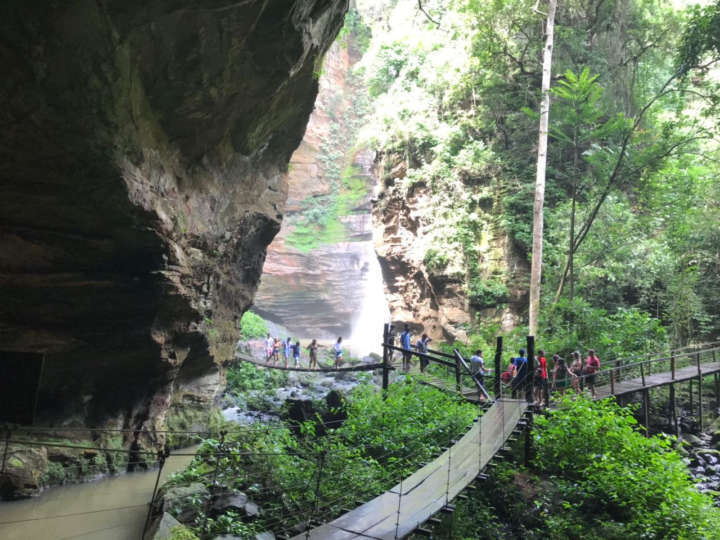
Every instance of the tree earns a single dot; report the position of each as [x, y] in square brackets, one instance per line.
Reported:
[581, 129]
[536, 268]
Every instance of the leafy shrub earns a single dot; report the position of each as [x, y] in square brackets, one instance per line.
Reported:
[381, 441]
[435, 261]
[625, 333]
[487, 292]
[253, 326]
[181, 533]
[245, 376]
[609, 473]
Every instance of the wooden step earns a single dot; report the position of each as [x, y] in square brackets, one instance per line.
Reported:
[420, 531]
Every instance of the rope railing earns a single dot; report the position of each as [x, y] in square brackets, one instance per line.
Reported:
[400, 510]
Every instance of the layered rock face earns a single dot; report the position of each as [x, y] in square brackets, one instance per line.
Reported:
[435, 299]
[319, 265]
[143, 154]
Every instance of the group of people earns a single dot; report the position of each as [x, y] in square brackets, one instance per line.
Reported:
[421, 346]
[577, 374]
[275, 346]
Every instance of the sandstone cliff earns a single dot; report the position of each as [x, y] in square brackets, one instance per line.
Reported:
[317, 266]
[426, 271]
[143, 154]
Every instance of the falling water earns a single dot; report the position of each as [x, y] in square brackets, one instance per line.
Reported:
[368, 325]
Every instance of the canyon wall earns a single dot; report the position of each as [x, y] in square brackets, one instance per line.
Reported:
[143, 154]
[428, 292]
[317, 267]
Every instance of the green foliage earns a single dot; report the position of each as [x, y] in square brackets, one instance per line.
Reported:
[244, 376]
[381, 440]
[701, 37]
[435, 261]
[612, 475]
[625, 333]
[355, 34]
[487, 292]
[54, 475]
[181, 533]
[253, 326]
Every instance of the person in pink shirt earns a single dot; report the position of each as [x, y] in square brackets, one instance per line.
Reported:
[592, 366]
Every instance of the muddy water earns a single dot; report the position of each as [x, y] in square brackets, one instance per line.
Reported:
[108, 509]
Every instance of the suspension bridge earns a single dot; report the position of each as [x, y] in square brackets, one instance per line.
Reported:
[410, 504]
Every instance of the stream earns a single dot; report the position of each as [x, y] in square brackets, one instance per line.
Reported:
[112, 508]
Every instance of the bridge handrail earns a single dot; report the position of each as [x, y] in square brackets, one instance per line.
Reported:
[462, 361]
[673, 352]
[649, 361]
[660, 359]
[359, 367]
[417, 353]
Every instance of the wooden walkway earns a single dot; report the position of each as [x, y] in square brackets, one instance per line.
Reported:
[399, 511]
[652, 381]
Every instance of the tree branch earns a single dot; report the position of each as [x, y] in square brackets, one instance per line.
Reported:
[429, 18]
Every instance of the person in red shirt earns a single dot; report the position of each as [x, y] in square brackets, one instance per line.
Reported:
[541, 379]
[592, 366]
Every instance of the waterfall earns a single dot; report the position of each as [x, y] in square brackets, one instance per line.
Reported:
[367, 328]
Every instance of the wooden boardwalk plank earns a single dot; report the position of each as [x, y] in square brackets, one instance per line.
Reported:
[655, 380]
[399, 511]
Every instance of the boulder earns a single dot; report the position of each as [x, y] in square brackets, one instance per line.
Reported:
[230, 501]
[25, 469]
[178, 500]
[168, 527]
[692, 439]
[252, 509]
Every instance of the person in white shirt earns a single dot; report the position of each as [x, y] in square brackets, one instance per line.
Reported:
[269, 346]
[338, 352]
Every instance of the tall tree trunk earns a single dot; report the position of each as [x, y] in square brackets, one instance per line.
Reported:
[536, 268]
[571, 248]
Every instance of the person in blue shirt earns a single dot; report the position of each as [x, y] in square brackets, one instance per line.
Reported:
[477, 366]
[519, 372]
[296, 353]
[422, 347]
[405, 343]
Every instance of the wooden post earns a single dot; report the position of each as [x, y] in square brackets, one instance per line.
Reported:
[498, 361]
[673, 410]
[528, 440]
[646, 410]
[690, 384]
[700, 396]
[458, 376]
[642, 373]
[672, 366]
[612, 383]
[386, 357]
[717, 390]
[530, 375]
[618, 365]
